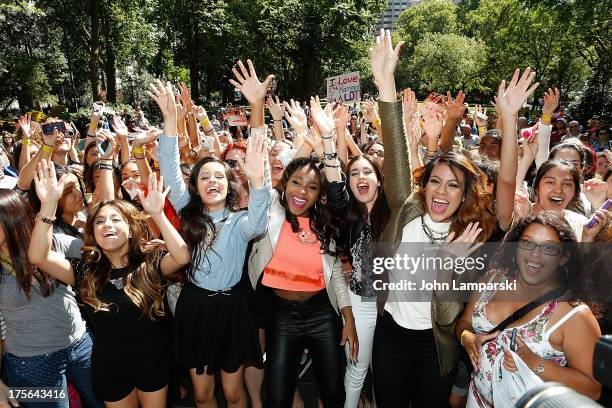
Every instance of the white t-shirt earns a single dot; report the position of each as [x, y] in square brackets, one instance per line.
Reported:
[576, 221]
[415, 315]
[471, 142]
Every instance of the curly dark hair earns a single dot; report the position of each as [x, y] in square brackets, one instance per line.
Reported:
[578, 280]
[320, 217]
[196, 225]
[477, 205]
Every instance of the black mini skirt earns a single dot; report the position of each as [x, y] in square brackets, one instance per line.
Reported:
[215, 330]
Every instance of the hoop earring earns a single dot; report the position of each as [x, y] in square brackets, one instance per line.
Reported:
[283, 195]
[563, 273]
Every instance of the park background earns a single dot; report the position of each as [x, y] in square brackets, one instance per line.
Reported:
[72, 52]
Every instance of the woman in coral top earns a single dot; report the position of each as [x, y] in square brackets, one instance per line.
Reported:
[295, 260]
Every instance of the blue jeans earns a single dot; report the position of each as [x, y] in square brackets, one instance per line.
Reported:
[55, 370]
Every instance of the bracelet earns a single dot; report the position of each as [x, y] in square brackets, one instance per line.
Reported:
[539, 370]
[463, 334]
[330, 156]
[483, 128]
[138, 150]
[205, 122]
[139, 157]
[104, 166]
[46, 220]
[277, 120]
[329, 137]
[333, 166]
[26, 142]
[546, 118]
[47, 148]
[376, 122]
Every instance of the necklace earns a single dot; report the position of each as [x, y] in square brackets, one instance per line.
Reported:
[306, 237]
[435, 237]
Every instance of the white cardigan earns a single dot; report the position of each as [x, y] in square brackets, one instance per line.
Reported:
[263, 250]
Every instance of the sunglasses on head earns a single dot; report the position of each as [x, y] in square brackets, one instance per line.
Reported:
[232, 163]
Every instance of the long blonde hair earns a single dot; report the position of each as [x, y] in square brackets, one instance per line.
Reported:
[143, 284]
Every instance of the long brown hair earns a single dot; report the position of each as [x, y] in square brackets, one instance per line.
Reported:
[477, 205]
[379, 216]
[143, 284]
[17, 220]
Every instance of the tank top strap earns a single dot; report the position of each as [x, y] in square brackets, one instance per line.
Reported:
[565, 318]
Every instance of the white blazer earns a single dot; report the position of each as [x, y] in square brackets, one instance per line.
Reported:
[263, 250]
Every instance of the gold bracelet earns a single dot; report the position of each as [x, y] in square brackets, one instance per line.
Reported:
[47, 148]
[138, 150]
[463, 334]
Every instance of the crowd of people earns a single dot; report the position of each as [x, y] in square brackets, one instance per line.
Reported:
[196, 255]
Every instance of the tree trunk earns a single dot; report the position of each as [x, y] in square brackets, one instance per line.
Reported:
[194, 69]
[110, 60]
[94, 48]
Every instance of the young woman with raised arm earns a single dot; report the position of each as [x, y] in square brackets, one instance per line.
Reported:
[215, 330]
[120, 282]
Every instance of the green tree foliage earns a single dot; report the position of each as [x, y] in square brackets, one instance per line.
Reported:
[448, 62]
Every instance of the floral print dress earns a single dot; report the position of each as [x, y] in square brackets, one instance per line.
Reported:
[533, 333]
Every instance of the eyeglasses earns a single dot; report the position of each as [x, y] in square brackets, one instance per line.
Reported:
[377, 153]
[546, 248]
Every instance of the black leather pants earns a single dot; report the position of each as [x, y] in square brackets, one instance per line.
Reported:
[291, 327]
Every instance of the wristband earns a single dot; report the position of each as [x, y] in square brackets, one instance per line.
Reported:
[330, 156]
[138, 150]
[483, 128]
[26, 142]
[546, 118]
[376, 122]
[47, 148]
[46, 220]
[205, 123]
[104, 166]
[328, 137]
[333, 166]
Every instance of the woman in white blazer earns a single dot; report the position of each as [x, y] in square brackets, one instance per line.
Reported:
[295, 261]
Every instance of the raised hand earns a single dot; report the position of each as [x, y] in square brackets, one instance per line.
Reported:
[112, 145]
[119, 127]
[510, 99]
[342, 116]
[595, 191]
[185, 97]
[275, 108]
[295, 116]
[164, 97]
[432, 123]
[48, 188]
[479, 112]
[603, 218]
[248, 83]
[313, 139]
[383, 60]
[414, 134]
[153, 203]
[200, 113]
[455, 107]
[409, 105]
[151, 135]
[551, 101]
[254, 163]
[531, 145]
[181, 113]
[324, 123]
[25, 126]
[369, 112]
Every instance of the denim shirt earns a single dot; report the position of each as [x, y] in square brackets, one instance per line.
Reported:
[221, 266]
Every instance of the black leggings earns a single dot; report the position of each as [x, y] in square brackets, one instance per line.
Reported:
[291, 327]
[406, 369]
